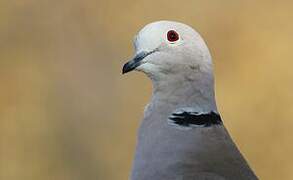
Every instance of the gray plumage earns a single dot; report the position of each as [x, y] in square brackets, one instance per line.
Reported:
[182, 76]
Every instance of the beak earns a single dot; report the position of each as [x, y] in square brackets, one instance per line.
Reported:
[135, 62]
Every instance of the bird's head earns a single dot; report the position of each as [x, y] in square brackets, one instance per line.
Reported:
[179, 64]
[166, 47]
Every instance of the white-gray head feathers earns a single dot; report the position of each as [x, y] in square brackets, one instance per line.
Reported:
[178, 62]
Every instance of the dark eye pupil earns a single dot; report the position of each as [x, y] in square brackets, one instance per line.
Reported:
[172, 36]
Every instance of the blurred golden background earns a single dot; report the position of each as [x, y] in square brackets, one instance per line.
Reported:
[67, 113]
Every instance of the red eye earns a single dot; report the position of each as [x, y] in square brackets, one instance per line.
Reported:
[172, 36]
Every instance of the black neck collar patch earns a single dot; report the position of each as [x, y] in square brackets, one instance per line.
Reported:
[186, 119]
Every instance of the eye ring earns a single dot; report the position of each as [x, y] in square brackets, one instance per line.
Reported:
[172, 36]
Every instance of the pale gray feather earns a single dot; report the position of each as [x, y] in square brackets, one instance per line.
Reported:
[182, 75]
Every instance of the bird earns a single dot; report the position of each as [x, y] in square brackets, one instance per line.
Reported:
[182, 135]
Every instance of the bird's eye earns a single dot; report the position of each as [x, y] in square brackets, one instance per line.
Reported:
[172, 36]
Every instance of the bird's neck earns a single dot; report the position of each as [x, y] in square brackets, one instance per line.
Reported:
[195, 90]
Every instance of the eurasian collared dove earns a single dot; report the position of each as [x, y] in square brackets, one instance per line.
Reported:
[182, 136]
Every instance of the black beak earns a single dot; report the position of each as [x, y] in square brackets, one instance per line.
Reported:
[135, 62]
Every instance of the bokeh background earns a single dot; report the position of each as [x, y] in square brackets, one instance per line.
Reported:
[67, 113]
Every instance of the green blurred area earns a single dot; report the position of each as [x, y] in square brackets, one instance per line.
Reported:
[67, 113]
